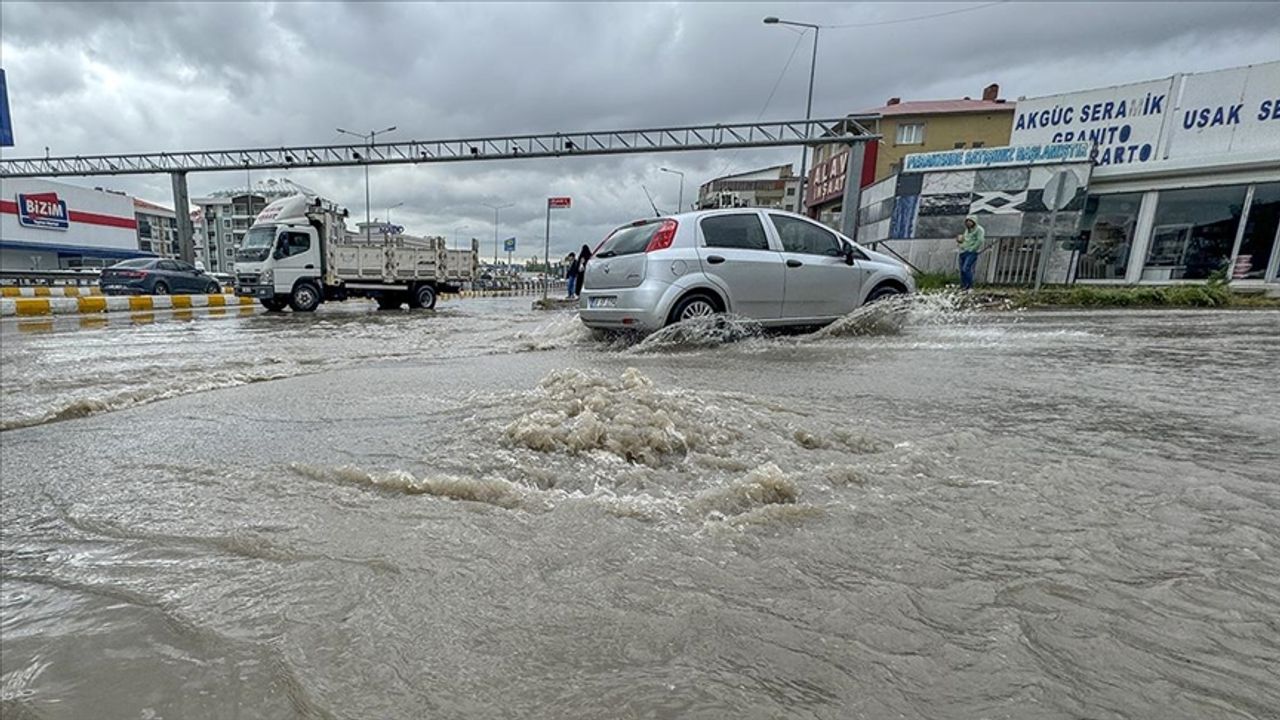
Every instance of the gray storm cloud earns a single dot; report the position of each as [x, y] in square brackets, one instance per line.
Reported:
[124, 77]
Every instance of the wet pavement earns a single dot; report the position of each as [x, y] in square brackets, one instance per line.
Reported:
[920, 512]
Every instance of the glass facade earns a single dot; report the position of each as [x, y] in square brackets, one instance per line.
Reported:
[1194, 232]
[1108, 225]
[1258, 243]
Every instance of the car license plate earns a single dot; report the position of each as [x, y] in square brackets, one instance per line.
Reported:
[602, 302]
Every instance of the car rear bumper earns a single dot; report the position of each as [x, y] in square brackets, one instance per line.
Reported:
[112, 288]
[637, 308]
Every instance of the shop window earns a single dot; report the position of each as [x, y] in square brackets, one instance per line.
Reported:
[1260, 233]
[911, 134]
[1108, 224]
[1194, 232]
[960, 146]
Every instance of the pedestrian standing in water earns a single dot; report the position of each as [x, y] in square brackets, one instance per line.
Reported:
[970, 242]
[570, 273]
[583, 256]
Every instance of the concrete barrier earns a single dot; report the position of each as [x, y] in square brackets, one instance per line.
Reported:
[48, 291]
[90, 304]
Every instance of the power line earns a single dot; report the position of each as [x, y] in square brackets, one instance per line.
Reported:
[776, 84]
[915, 18]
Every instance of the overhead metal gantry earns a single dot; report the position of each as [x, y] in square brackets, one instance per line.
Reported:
[847, 131]
[509, 147]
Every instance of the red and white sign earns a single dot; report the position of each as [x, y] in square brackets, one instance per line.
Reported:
[558, 202]
[42, 210]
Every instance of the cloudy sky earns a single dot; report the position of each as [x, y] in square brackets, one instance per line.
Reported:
[104, 78]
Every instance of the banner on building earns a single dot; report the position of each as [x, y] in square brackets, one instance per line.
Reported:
[975, 158]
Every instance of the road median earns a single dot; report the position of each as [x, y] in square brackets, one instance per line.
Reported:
[92, 304]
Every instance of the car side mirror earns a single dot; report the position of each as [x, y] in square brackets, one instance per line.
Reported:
[848, 256]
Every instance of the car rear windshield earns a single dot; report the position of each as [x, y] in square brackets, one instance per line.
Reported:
[630, 239]
[134, 263]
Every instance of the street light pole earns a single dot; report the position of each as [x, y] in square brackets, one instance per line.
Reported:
[680, 203]
[495, 209]
[373, 135]
[808, 109]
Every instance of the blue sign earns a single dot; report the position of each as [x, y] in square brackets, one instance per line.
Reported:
[509, 245]
[390, 229]
[6, 122]
[975, 158]
[42, 210]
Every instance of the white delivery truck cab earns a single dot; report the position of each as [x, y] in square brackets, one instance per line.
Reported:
[298, 253]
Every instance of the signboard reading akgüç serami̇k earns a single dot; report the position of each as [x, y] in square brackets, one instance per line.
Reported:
[1226, 112]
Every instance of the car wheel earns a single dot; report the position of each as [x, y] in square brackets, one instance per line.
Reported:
[213, 288]
[305, 298]
[423, 297]
[273, 304]
[693, 307]
[160, 289]
[883, 292]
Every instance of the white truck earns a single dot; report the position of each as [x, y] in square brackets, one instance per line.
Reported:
[298, 253]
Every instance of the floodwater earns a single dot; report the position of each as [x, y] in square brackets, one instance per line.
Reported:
[921, 512]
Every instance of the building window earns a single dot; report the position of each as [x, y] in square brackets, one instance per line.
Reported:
[791, 191]
[1107, 229]
[1194, 232]
[978, 143]
[1260, 240]
[230, 252]
[960, 145]
[911, 134]
[226, 222]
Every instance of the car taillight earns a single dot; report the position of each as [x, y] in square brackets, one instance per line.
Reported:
[131, 273]
[663, 238]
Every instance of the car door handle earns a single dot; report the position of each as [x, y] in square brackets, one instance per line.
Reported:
[794, 263]
[715, 259]
[308, 267]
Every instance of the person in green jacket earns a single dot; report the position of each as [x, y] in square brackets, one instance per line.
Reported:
[970, 242]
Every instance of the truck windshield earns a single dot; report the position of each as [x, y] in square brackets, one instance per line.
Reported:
[257, 244]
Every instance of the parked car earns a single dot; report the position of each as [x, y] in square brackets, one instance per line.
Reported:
[155, 276]
[775, 267]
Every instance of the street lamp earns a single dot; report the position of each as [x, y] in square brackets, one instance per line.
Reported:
[495, 209]
[373, 135]
[393, 207]
[680, 204]
[808, 108]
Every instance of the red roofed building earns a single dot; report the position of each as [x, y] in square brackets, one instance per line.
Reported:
[912, 126]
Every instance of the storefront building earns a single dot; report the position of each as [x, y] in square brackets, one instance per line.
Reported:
[47, 225]
[1186, 182]
[1179, 182]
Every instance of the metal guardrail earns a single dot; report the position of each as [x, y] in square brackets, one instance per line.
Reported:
[87, 276]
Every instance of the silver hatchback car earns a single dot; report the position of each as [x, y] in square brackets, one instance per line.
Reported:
[776, 267]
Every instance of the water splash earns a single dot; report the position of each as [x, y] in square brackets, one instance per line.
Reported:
[892, 315]
[699, 333]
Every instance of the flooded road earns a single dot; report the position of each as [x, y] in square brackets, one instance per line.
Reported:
[921, 512]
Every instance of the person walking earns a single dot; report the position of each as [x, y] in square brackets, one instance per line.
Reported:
[970, 242]
[570, 274]
[583, 256]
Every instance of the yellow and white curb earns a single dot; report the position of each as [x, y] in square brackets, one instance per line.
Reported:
[35, 306]
[11, 291]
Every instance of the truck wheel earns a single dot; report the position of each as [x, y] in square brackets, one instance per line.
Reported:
[423, 297]
[273, 304]
[305, 298]
[389, 302]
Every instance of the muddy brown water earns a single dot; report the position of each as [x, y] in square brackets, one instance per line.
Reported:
[486, 512]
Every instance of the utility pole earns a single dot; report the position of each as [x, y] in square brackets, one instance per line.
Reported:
[495, 209]
[680, 202]
[373, 135]
[808, 108]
